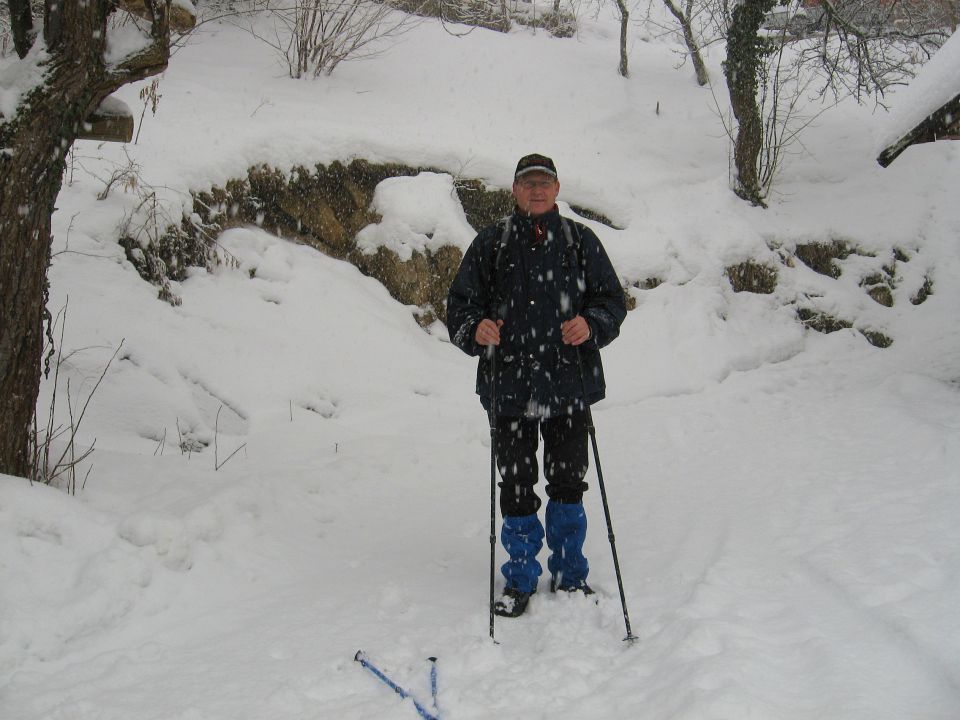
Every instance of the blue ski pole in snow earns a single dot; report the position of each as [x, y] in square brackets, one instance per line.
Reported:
[433, 682]
[361, 657]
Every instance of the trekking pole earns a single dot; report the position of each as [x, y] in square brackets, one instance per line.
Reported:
[361, 657]
[492, 417]
[603, 497]
[433, 682]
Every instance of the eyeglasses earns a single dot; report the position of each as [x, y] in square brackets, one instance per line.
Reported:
[537, 184]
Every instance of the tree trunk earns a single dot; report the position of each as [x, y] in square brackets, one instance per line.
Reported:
[624, 20]
[21, 25]
[703, 77]
[37, 140]
[745, 50]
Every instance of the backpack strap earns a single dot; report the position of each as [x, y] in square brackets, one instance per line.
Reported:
[497, 257]
[572, 237]
[502, 245]
[573, 244]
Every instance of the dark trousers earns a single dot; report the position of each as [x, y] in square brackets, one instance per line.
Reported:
[564, 459]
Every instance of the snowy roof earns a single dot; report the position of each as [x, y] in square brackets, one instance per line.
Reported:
[929, 107]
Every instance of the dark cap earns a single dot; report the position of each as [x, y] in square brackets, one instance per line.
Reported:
[535, 163]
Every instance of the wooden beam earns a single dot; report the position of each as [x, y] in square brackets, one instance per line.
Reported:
[944, 124]
[112, 121]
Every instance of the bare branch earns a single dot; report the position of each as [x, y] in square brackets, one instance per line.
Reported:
[75, 426]
[314, 36]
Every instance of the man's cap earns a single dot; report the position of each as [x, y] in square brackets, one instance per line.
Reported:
[535, 163]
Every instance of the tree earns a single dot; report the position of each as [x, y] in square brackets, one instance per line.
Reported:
[67, 75]
[624, 23]
[685, 18]
[855, 48]
[745, 52]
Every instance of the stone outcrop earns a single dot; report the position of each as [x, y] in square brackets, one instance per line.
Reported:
[751, 276]
[326, 206]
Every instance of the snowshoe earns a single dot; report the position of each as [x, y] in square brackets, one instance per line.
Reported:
[580, 587]
[512, 603]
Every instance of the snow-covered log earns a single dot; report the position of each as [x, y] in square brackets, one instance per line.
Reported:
[944, 124]
[929, 108]
[112, 121]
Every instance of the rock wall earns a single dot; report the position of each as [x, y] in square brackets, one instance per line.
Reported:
[326, 206]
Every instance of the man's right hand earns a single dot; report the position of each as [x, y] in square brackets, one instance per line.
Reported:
[488, 332]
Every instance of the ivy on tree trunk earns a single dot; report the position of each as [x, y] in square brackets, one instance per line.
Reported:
[745, 52]
[35, 144]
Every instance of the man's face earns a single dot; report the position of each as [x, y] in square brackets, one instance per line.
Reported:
[536, 192]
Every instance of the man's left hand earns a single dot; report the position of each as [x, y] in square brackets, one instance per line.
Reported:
[575, 331]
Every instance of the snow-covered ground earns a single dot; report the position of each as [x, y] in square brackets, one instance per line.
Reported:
[785, 502]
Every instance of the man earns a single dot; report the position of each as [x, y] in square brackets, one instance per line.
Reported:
[536, 298]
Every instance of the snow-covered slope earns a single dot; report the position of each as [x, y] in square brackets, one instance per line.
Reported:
[784, 502]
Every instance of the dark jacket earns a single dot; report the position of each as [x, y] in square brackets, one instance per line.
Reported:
[538, 282]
